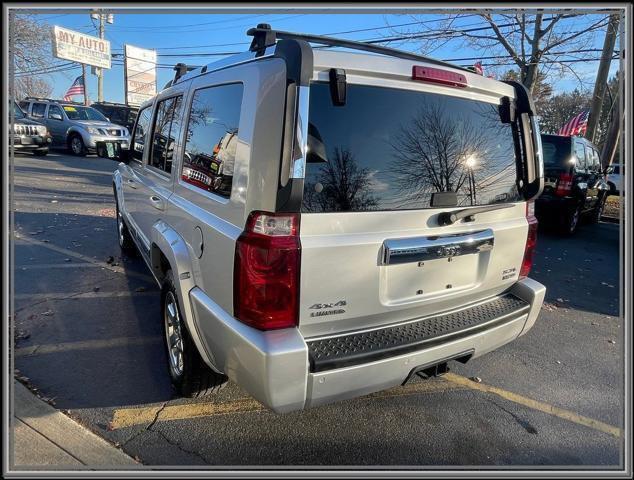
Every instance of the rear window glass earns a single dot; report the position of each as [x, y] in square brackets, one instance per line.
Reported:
[556, 151]
[390, 149]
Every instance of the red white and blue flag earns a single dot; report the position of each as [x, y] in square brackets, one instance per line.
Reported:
[576, 126]
[77, 88]
[478, 68]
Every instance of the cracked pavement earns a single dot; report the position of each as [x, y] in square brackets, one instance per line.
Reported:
[95, 345]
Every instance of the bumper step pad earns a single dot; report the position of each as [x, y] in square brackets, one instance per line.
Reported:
[363, 347]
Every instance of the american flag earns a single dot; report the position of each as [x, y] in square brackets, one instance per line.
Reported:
[576, 126]
[478, 68]
[77, 88]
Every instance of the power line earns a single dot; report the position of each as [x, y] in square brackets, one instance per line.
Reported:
[163, 27]
[329, 33]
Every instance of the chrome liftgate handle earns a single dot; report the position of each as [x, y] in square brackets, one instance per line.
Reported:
[417, 249]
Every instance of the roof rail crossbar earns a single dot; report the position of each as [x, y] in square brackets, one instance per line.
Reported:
[264, 36]
[181, 69]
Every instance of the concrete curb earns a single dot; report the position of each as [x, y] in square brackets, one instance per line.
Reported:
[44, 438]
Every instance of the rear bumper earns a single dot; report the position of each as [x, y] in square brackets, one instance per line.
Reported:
[278, 369]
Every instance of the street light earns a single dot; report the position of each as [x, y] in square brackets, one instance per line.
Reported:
[471, 161]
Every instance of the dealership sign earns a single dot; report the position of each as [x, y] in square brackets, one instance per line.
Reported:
[140, 75]
[79, 47]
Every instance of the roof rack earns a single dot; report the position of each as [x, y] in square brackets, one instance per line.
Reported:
[44, 99]
[181, 69]
[264, 36]
[113, 103]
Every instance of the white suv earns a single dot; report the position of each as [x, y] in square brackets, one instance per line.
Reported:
[326, 224]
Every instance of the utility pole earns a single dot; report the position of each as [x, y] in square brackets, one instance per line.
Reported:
[611, 143]
[83, 74]
[103, 18]
[602, 76]
[102, 32]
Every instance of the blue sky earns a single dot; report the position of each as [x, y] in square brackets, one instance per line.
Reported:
[178, 33]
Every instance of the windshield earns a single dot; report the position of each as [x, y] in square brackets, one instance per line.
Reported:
[18, 111]
[556, 151]
[83, 113]
[391, 149]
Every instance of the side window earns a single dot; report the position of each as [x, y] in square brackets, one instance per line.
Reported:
[167, 129]
[589, 160]
[54, 109]
[212, 137]
[116, 116]
[581, 156]
[38, 110]
[24, 105]
[140, 133]
[596, 160]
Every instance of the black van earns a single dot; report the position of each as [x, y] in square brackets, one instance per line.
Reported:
[574, 182]
[118, 113]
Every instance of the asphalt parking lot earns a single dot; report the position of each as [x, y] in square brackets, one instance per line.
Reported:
[88, 337]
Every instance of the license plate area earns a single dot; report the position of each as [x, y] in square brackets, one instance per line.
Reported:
[423, 268]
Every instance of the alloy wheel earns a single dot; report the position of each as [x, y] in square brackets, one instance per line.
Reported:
[173, 335]
[76, 145]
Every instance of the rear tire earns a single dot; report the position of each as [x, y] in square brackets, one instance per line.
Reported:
[125, 239]
[597, 212]
[190, 375]
[76, 145]
[570, 221]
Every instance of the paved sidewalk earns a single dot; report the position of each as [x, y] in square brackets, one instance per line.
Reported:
[44, 438]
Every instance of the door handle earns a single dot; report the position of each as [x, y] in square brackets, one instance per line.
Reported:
[132, 184]
[157, 202]
[416, 249]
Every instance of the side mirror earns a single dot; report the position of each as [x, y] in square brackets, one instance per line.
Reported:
[113, 151]
[56, 116]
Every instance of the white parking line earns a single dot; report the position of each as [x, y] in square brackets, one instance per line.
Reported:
[85, 258]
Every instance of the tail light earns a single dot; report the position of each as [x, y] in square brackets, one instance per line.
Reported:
[437, 75]
[564, 185]
[266, 271]
[531, 240]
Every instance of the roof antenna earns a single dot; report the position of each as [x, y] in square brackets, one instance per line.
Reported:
[263, 37]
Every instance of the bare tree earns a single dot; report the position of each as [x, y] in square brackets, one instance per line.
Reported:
[435, 153]
[340, 186]
[32, 86]
[542, 92]
[30, 46]
[533, 41]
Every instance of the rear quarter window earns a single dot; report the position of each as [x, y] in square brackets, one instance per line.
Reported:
[212, 138]
[391, 149]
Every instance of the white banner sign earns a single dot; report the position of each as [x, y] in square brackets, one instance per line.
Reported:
[140, 74]
[79, 47]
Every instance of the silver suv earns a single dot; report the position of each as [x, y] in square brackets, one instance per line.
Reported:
[75, 126]
[326, 224]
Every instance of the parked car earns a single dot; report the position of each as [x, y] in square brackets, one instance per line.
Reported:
[310, 243]
[73, 125]
[574, 183]
[614, 178]
[29, 135]
[118, 113]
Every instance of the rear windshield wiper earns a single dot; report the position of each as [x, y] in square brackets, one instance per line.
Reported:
[448, 218]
